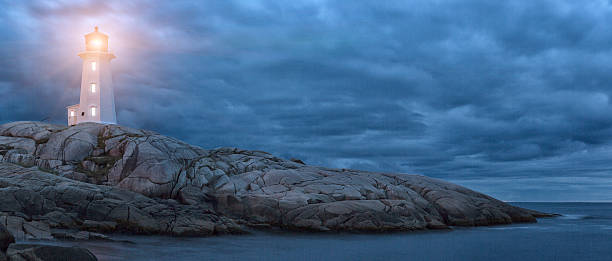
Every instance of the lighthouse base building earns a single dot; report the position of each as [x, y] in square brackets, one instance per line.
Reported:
[97, 103]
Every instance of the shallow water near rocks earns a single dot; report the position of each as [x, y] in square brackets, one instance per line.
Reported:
[583, 233]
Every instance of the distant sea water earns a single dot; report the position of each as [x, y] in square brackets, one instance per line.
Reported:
[583, 233]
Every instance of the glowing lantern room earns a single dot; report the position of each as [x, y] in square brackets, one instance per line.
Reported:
[96, 41]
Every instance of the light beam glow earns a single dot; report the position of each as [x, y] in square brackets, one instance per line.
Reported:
[96, 43]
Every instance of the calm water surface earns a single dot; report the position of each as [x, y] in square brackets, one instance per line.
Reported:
[583, 233]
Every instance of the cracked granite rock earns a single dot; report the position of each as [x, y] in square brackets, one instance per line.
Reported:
[32, 202]
[106, 178]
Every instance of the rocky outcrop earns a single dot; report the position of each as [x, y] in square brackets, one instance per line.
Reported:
[32, 202]
[106, 178]
[28, 252]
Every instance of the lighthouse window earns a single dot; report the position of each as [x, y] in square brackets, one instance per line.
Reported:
[93, 88]
[93, 66]
[93, 111]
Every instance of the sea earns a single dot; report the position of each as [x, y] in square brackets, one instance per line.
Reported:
[583, 232]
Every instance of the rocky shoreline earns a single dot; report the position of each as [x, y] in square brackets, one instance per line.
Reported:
[92, 179]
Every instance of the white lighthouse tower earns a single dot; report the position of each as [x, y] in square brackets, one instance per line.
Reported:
[97, 102]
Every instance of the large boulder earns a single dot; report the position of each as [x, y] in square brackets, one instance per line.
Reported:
[5, 238]
[24, 229]
[36, 131]
[27, 252]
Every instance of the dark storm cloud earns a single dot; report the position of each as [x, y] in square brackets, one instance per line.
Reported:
[491, 94]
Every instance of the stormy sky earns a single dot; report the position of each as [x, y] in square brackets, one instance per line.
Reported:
[511, 98]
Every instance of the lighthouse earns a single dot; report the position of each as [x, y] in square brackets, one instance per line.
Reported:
[97, 103]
